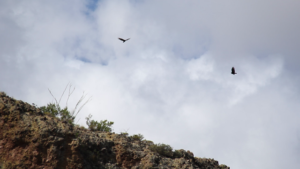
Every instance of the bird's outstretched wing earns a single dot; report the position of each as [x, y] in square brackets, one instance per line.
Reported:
[122, 39]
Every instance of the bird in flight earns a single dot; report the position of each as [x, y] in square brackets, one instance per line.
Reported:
[124, 40]
[233, 71]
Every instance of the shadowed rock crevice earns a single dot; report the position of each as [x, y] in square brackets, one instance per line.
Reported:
[31, 139]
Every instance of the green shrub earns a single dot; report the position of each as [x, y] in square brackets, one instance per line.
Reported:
[76, 134]
[162, 149]
[66, 115]
[55, 111]
[139, 137]
[223, 166]
[177, 154]
[103, 125]
[149, 141]
[50, 109]
[124, 133]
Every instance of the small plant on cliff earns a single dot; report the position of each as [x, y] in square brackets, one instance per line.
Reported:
[103, 125]
[223, 166]
[162, 149]
[149, 142]
[124, 133]
[177, 154]
[139, 137]
[55, 110]
[50, 109]
[76, 134]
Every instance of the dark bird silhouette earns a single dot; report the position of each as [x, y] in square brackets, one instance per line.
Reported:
[124, 40]
[233, 71]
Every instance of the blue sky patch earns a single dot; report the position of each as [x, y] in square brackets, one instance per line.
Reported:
[92, 4]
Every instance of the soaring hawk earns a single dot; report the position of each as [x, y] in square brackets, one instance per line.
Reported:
[124, 40]
[233, 71]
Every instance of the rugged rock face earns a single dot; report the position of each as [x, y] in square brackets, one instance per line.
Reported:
[30, 139]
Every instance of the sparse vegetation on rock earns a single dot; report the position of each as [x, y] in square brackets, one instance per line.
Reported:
[138, 137]
[103, 125]
[55, 110]
[162, 149]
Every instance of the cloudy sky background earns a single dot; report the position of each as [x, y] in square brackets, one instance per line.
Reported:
[171, 81]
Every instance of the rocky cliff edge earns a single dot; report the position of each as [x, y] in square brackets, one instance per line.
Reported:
[30, 139]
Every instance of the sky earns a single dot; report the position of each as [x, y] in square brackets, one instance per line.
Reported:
[171, 81]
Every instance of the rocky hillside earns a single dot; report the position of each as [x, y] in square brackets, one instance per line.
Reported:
[30, 139]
